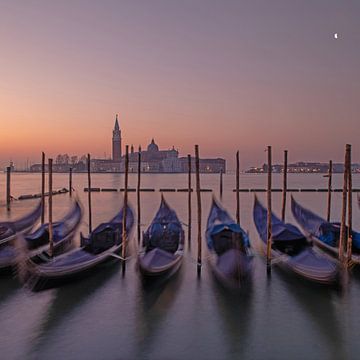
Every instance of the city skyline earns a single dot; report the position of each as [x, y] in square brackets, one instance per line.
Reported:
[226, 76]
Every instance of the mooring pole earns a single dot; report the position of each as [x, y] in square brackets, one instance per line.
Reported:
[343, 210]
[198, 195]
[138, 198]
[189, 200]
[89, 192]
[42, 188]
[283, 210]
[124, 234]
[237, 188]
[221, 184]
[329, 191]
[349, 227]
[70, 181]
[8, 190]
[51, 241]
[269, 224]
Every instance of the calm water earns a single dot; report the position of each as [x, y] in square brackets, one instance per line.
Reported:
[108, 316]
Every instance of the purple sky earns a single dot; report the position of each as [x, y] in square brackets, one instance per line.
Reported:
[226, 75]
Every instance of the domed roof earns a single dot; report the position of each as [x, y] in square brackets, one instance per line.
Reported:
[152, 146]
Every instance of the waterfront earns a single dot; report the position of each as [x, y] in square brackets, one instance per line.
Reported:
[108, 316]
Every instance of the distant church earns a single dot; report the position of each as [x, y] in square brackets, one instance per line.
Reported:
[153, 160]
[116, 141]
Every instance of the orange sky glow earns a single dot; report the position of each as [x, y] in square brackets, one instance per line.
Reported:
[225, 77]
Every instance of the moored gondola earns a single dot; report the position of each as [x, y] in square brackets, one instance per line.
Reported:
[102, 245]
[163, 244]
[293, 251]
[8, 229]
[37, 242]
[231, 257]
[324, 234]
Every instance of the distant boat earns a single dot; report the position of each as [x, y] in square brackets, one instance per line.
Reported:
[326, 175]
[8, 229]
[229, 247]
[37, 242]
[102, 246]
[163, 245]
[324, 234]
[293, 251]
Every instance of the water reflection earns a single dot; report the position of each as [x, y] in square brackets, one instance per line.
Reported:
[235, 308]
[318, 302]
[155, 302]
[67, 299]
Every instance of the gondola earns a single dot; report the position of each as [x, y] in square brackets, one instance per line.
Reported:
[231, 257]
[293, 251]
[163, 243]
[324, 234]
[37, 242]
[8, 229]
[102, 245]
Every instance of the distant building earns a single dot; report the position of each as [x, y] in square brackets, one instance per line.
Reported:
[304, 168]
[153, 160]
[116, 141]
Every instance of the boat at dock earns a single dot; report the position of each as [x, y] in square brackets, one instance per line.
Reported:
[8, 229]
[324, 234]
[293, 251]
[231, 257]
[163, 245]
[37, 244]
[103, 244]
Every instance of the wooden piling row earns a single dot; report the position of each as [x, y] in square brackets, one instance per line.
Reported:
[89, 192]
[221, 185]
[198, 196]
[269, 224]
[237, 188]
[342, 240]
[124, 234]
[328, 216]
[138, 198]
[349, 201]
[283, 209]
[51, 240]
[189, 189]
[70, 182]
[42, 188]
[8, 189]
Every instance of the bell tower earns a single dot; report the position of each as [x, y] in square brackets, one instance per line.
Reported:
[116, 141]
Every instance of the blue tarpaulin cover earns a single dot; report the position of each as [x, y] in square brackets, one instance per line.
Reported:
[327, 232]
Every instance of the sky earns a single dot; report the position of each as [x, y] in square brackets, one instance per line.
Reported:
[228, 75]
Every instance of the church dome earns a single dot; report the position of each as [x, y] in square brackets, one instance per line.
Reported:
[152, 146]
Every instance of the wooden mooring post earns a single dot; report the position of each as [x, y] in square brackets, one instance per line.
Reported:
[42, 188]
[189, 200]
[328, 216]
[8, 188]
[89, 191]
[51, 241]
[283, 209]
[269, 224]
[70, 182]
[349, 200]
[237, 188]
[221, 185]
[198, 196]
[343, 232]
[138, 198]
[124, 233]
